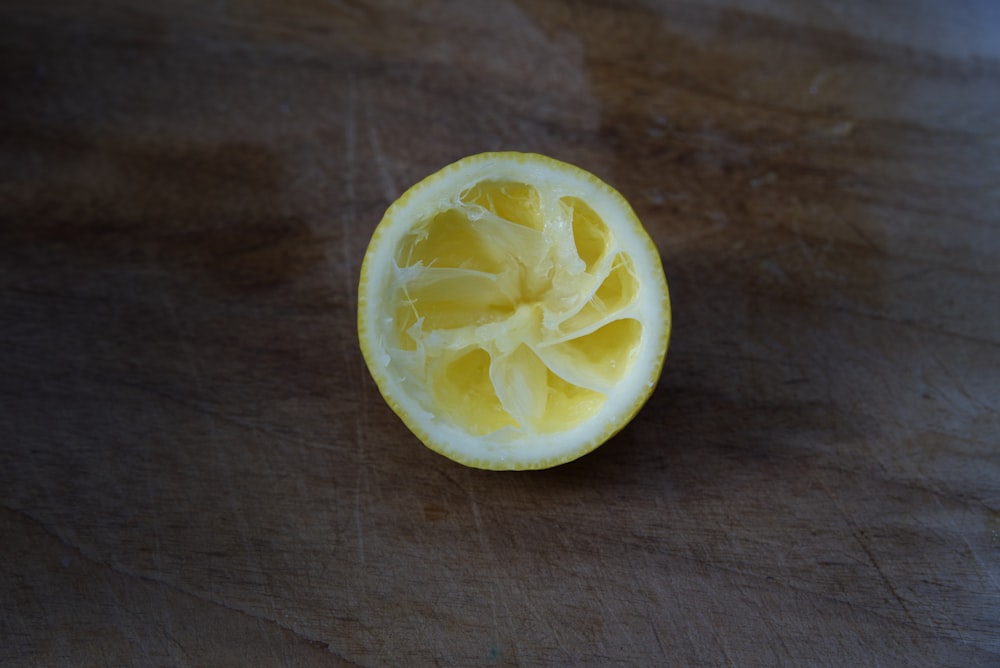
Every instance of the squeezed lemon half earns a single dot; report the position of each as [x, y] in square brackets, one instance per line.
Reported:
[513, 311]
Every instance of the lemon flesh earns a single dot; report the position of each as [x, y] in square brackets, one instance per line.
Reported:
[513, 311]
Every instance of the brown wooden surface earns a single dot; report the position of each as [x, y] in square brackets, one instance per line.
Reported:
[196, 468]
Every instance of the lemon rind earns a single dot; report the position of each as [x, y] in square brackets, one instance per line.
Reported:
[653, 303]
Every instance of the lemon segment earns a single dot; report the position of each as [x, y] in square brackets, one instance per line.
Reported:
[513, 311]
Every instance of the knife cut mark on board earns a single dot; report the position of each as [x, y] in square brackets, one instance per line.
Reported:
[158, 580]
[193, 362]
[347, 223]
[859, 537]
[388, 183]
[488, 550]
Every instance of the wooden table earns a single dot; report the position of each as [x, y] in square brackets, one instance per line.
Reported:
[197, 469]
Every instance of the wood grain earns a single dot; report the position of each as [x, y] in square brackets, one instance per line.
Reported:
[196, 468]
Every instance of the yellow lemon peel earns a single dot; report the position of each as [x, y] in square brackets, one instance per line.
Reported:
[513, 311]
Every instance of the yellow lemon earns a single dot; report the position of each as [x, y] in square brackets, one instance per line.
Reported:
[513, 311]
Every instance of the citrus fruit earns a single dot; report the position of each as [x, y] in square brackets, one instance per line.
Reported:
[513, 311]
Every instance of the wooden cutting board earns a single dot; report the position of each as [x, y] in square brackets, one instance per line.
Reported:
[196, 468]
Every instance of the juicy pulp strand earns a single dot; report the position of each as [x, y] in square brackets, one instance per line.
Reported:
[540, 286]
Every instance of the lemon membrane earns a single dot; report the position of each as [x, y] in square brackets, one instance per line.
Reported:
[513, 311]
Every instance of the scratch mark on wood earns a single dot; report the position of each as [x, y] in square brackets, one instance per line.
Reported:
[859, 537]
[157, 551]
[909, 323]
[557, 637]
[279, 437]
[959, 387]
[388, 183]
[225, 466]
[659, 641]
[986, 570]
[358, 524]
[170, 308]
[347, 223]
[484, 543]
[158, 580]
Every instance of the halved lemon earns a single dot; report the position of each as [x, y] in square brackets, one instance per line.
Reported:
[513, 311]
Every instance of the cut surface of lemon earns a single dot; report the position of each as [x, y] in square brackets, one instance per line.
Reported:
[513, 311]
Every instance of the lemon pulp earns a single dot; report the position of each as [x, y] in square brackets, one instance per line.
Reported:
[513, 311]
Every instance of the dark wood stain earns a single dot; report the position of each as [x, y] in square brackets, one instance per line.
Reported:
[195, 467]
